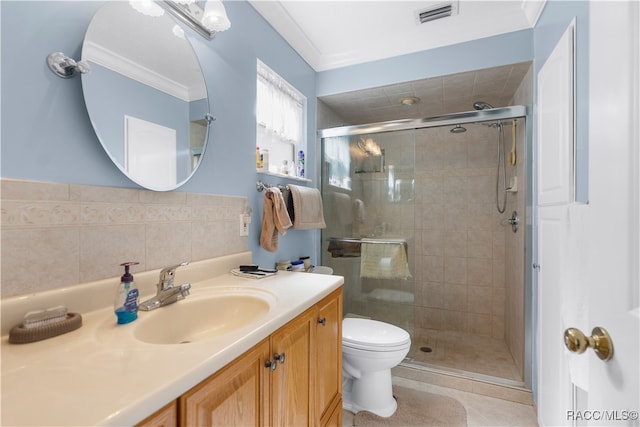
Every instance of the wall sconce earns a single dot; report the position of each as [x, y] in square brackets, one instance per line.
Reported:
[66, 67]
[206, 21]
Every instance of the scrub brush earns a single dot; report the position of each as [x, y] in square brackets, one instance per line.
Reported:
[42, 324]
[36, 318]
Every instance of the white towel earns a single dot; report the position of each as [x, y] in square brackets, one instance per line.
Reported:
[384, 260]
[343, 208]
[307, 208]
[358, 210]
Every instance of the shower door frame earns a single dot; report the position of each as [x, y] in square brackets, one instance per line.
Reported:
[461, 118]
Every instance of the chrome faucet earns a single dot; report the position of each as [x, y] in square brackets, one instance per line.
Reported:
[167, 293]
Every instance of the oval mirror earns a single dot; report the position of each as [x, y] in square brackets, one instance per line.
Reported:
[145, 94]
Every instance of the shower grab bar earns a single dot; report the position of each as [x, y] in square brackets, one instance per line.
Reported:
[367, 240]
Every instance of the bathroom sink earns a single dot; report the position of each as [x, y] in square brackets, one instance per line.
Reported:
[200, 317]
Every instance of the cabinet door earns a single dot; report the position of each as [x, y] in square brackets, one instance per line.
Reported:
[291, 381]
[165, 417]
[238, 395]
[329, 355]
[334, 416]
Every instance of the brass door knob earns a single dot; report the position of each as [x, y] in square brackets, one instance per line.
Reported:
[599, 341]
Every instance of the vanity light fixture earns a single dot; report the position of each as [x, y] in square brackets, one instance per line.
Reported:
[147, 7]
[66, 67]
[369, 146]
[215, 16]
[206, 20]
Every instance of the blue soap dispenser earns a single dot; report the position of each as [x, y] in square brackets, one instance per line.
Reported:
[126, 302]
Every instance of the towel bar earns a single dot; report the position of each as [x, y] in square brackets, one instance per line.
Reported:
[376, 241]
[261, 186]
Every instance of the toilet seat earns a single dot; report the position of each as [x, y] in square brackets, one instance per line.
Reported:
[367, 334]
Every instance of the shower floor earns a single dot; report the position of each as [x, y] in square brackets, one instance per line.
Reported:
[466, 352]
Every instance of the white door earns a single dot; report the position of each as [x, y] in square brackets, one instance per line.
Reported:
[589, 254]
[555, 183]
[613, 221]
[150, 154]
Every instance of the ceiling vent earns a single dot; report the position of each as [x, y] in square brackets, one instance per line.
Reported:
[438, 11]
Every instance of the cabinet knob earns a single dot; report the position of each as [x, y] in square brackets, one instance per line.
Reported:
[271, 364]
[322, 321]
[278, 358]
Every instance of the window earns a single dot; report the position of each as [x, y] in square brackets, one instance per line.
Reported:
[280, 116]
[337, 161]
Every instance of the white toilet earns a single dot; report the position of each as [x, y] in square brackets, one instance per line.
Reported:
[369, 350]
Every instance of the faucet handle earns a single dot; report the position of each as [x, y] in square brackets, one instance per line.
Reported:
[167, 274]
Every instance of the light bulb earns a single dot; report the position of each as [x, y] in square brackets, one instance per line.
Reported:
[215, 16]
[147, 7]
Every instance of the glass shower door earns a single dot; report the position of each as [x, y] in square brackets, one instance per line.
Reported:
[368, 189]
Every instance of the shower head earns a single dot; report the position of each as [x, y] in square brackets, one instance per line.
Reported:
[458, 129]
[481, 105]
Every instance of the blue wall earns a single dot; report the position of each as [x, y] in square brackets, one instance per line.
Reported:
[488, 52]
[110, 97]
[47, 135]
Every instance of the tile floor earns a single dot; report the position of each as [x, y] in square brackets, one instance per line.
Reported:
[466, 352]
[481, 410]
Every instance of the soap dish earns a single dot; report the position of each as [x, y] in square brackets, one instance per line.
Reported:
[21, 335]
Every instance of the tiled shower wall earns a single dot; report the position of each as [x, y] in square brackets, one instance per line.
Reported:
[460, 247]
[470, 269]
[55, 235]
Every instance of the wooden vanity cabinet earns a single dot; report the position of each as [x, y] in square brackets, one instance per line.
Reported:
[329, 361]
[292, 397]
[292, 378]
[165, 417]
[236, 395]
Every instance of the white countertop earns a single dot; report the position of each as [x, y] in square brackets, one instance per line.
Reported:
[101, 374]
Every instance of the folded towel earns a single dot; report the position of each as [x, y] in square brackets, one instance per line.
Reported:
[343, 208]
[275, 219]
[386, 260]
[307, 208]
[342, 249]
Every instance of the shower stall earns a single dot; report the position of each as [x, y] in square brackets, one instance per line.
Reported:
[426, 222]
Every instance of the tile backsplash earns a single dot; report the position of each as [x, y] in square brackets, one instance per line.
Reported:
[55, 235]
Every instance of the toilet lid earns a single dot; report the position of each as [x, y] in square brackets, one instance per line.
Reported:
[367, 333]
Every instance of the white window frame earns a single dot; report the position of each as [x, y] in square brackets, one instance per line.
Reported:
[281, 112]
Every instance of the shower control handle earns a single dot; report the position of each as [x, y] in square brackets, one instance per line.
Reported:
[514, 221]
[322, 321]
[599, 341]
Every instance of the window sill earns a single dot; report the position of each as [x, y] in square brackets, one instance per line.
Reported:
[281, 175]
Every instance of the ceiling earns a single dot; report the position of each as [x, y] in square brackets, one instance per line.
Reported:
[146, 48]
[330, 34]
[336, 33]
